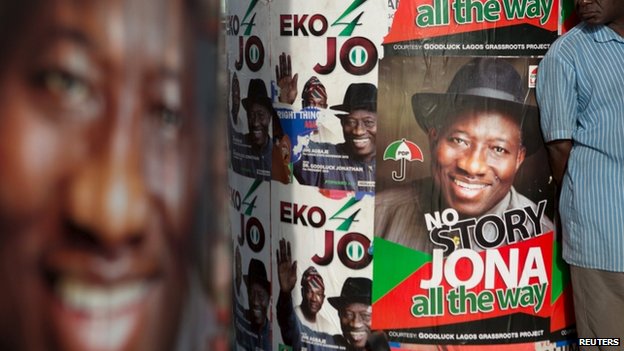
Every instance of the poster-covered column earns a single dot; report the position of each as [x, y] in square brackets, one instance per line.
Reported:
[325, 58]
[302, 97]
[464, 195]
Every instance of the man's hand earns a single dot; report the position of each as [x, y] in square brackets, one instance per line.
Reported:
[286, 269]
[558, 154]
[285, 81]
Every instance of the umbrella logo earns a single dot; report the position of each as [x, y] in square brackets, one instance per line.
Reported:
[403, 150]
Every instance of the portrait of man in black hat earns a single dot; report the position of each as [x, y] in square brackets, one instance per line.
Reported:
[480, 131]
[251, 152]
[353, 306]
[354, 310]
[254, 331]
[349, 165]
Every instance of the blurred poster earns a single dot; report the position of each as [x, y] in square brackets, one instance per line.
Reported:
[465, 203]
[102, 156]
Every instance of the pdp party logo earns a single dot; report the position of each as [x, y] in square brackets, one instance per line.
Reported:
[350, 247]
[532, 76]
[402, 151]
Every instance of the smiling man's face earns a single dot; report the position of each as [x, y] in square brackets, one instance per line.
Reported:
[313, 298]
[258, 118]
[95, 148]
[359, 129]
[475, 159]
[355, 321]
[258, 299]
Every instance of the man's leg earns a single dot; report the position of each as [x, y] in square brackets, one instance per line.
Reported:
[598, 305]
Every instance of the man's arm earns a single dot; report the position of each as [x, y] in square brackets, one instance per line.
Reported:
[287, 277]
[557, 97]
[287, 320]
[558, 154]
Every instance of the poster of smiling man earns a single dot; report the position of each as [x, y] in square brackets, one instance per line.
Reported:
[464, 198]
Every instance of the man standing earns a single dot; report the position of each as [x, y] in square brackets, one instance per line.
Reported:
[580, 91]
[480, 132]
[349, 165]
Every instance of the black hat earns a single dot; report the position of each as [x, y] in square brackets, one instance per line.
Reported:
[353, 290]
[359, 96]
[257, 93]
[257, 274]
[482, 83]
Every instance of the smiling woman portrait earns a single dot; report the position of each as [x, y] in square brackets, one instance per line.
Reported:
[98, 140]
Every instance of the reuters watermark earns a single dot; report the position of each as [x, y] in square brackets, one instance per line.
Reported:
[599, 342]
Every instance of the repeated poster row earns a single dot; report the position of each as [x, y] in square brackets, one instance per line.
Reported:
[387, 183]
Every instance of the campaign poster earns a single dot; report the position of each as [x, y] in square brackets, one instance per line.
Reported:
[391, 8]
[465, 203]
[324, 262]
[251, 117]
[473, 27]
[324, 66]
[249, 222]
[324, 58]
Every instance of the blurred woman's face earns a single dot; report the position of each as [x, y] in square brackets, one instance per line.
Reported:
[94, 166]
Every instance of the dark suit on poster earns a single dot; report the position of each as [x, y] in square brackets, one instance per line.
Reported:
[329, 166]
